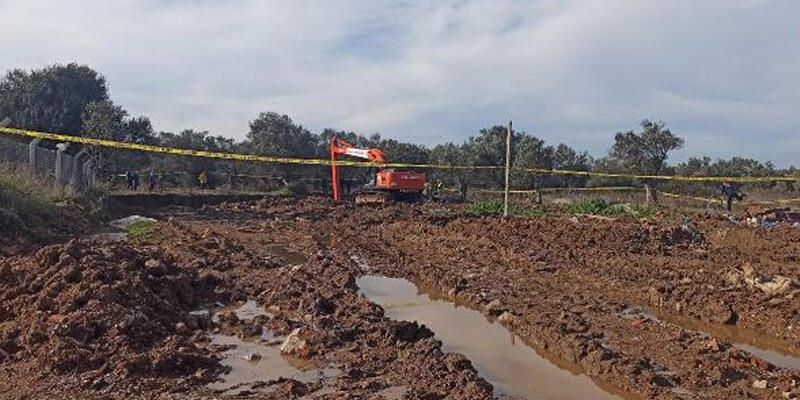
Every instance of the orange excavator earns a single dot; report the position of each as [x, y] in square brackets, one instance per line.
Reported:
[387, 185]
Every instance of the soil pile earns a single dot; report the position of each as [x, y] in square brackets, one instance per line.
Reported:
[105, 313]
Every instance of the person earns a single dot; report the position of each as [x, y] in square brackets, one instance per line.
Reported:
[152, 181]
[128, 180]
[203, 179]
[135, 179]
[729, 192]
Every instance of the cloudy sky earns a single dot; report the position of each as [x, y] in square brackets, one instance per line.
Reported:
[725, 74]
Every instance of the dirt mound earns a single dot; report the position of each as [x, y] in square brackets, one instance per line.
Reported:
[105, 312]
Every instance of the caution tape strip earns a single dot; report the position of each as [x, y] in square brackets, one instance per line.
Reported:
[310, 161]
[589, 189]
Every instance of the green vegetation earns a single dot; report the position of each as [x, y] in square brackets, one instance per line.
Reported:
[140, 230]
[601, 207]
[24, 201]
[495, 207]
[486, 207]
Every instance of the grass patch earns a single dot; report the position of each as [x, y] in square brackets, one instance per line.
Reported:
[25, 200]
[141, 229]
[495, 207]
[601, 207]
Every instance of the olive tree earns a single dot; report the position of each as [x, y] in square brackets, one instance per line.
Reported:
[645, 152]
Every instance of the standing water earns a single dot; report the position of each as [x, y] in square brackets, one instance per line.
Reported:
[500, 357]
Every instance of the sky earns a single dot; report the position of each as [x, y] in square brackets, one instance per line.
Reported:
[724, 74]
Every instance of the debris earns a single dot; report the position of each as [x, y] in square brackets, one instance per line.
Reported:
[760, 384]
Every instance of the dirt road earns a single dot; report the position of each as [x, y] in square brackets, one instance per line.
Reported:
[645, 309]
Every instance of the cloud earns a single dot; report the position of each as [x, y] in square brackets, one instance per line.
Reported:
[722, 74]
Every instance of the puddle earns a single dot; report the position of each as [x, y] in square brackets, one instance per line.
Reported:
[244, 311]
[290, 256]
[769, 349]
[248, 370]
[512, 367]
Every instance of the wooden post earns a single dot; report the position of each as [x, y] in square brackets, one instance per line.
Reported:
[508, 168]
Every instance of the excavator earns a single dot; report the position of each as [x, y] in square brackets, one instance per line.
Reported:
[388, 185]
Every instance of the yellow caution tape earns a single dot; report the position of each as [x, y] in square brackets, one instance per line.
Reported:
[588, 189]
[742, 179]
[310, 161]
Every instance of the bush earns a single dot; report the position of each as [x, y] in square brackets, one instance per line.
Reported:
[592, 207]
[601, 207]
[486, 207]
[495, 207]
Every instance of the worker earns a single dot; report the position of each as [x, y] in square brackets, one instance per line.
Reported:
[203, 179]
[152, 181]
[729, 192]
[128, 180]
[438, 189]
[135, 180]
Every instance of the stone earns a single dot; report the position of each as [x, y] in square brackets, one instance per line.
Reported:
[252, 357]
[494, 307]
[155, 267]
[505, 317]
[181, 327]
[294, 345]
[713, 345]
[760, 384]
[199, 319]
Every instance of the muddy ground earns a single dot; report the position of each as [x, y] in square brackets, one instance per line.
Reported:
[646, 308]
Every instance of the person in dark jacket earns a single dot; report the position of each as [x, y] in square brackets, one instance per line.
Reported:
[730, 193]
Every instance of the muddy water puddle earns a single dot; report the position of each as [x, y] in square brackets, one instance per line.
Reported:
[512, 367]
[772, 350]
[254, 365]
[255, 362]
[243, 310]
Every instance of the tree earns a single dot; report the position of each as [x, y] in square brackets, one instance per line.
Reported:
[106, 120]
[567, 158]
[645, 152]
[530, 152]
[51, 99]
[277, 135]
[182, 169]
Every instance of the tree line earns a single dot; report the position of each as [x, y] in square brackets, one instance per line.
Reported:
[74, 99]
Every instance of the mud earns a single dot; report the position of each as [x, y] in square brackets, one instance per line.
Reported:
[91, 319]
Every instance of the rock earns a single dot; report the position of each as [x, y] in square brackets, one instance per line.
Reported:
[155, 267]
[294, 345]
[760, 384]
[494, 307]
[200, 319]
[732, 277]
[505, 317]
[713, 345]
[252, 357]
[181, 327]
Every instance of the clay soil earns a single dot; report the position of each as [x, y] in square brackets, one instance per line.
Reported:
[646, 308]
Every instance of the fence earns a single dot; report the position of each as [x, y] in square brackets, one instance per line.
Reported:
[65, 165]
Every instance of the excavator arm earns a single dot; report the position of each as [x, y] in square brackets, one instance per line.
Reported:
[339, 147]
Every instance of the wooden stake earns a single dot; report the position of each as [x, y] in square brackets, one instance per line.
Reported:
[508, 168]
